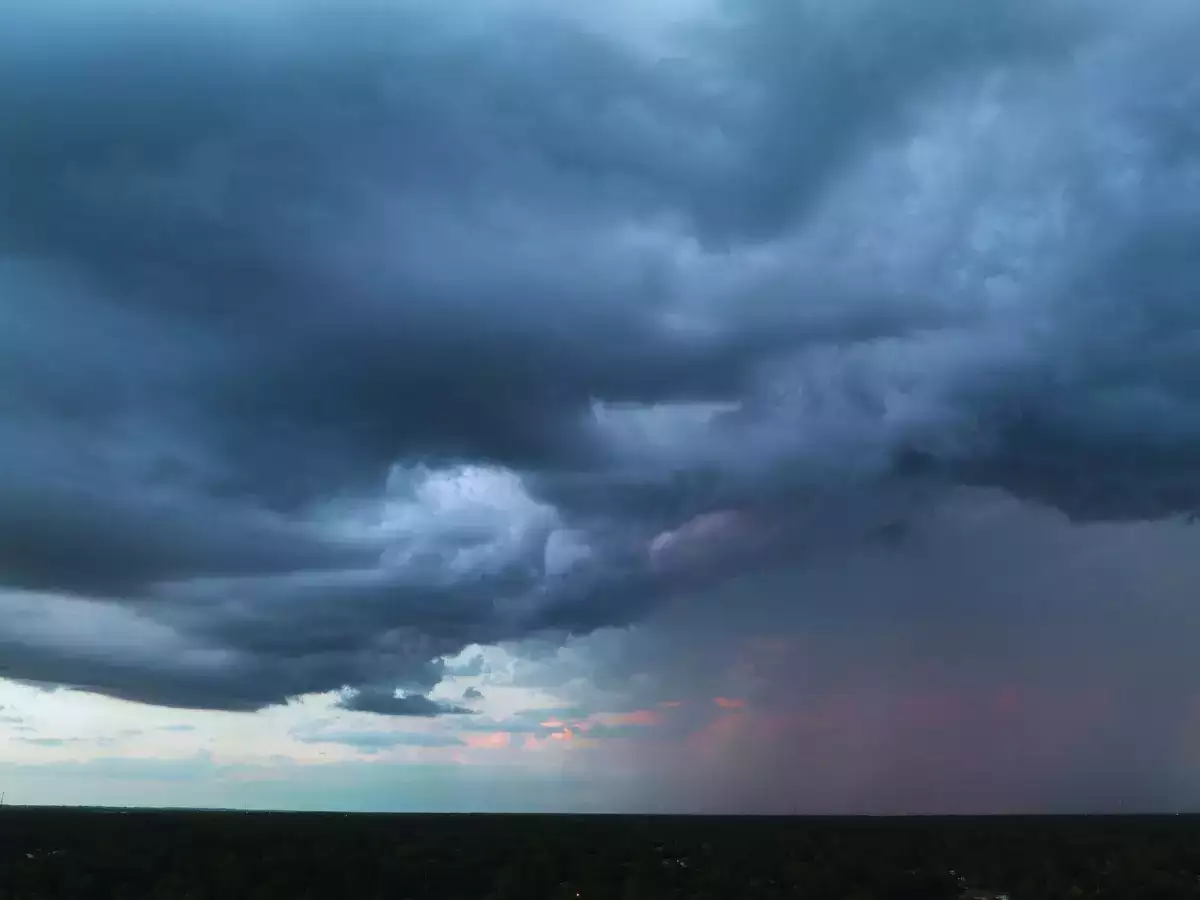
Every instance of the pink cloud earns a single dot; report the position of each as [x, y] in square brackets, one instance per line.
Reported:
[494, 740]
[729, 702]
[564, 735]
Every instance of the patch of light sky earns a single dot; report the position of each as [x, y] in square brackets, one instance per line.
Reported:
[62, 725]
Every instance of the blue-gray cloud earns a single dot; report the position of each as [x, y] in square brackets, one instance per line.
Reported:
[337, 339]
[387, 703]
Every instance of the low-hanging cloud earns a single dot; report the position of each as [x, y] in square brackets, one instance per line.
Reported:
[336, 340]
[386, 703]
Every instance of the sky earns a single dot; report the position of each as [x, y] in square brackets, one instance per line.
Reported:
[702, 406]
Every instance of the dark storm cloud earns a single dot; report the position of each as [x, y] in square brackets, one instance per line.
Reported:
[385, 703]
[338, 338]
[831, 80]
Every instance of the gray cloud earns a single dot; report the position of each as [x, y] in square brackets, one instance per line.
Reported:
[338, 340]
[387, 703]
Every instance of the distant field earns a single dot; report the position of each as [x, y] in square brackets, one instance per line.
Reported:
[84, 854]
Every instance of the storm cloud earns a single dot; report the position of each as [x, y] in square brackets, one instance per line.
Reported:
[1000, 660]
[336, 339]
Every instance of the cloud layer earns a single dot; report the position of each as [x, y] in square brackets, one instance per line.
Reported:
[337, 339]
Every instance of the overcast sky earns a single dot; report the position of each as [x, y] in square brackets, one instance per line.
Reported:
[744, 406]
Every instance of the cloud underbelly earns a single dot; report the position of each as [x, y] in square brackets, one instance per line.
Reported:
[331, 345]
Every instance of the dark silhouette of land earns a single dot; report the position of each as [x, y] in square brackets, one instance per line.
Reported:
[86, 854]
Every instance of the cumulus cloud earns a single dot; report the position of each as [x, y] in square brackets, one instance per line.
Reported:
[471, 668]
[341, 338]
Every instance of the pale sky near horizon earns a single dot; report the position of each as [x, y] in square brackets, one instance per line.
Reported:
[681, 406]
